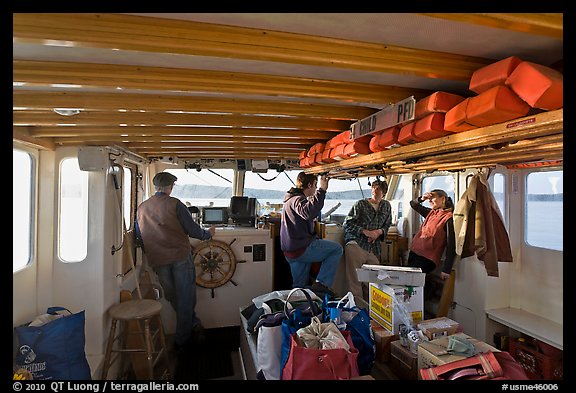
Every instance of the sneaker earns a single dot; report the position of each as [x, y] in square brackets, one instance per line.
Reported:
[321, 290]
[198, 335]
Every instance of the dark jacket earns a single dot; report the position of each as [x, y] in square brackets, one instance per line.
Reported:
[297, 226]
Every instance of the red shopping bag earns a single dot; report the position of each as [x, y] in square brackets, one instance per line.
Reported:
[309, 363]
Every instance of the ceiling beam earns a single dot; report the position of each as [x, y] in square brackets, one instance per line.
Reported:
[37, 100]
[546, 24]
[131, 131]
[22, 136]
[112, 76]
[108, 118]
[137, 33]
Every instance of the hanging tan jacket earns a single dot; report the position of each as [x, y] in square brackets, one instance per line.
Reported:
[479, 226]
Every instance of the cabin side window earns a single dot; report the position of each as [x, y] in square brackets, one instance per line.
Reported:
[499, 193]
[22, 208]
[73, 212]
[127, 197]
[544, 200]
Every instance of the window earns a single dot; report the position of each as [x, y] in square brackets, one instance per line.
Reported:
[445, 182]
[341, 193]
[127, 197]
[269, 188]
[499, 193]
[73, 224]
[208, 187]
[544, 210]
[22, 208]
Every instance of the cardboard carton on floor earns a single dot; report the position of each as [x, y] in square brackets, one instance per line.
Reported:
[403, 362]
[433, 353]
[393, 305]
[438, 327]
[391, 275]
[382, 339]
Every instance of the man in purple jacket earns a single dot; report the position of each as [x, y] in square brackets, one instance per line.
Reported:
[298, 239]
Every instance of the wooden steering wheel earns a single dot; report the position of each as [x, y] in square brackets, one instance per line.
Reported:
[215, 263]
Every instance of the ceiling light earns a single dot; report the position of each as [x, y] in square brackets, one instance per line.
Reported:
[67, 111]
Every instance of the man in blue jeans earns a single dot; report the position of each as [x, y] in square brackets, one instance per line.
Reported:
[164, 225]
[298, 238]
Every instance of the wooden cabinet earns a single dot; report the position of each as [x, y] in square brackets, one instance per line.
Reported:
[393, 247]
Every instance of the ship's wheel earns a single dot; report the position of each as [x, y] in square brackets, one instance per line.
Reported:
[215, 263]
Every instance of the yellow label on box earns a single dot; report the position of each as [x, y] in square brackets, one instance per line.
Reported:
[381, 306]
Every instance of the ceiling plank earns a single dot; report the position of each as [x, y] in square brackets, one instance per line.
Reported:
[191, 80]
[108, 118]
[182, 141]
[128, 32]
[20, 135]
[131, 131]
[37, 100]
[546, 24]
[212, 145]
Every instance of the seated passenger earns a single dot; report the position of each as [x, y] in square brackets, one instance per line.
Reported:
[365, 227]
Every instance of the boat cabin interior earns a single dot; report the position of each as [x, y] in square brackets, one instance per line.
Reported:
[235, 105]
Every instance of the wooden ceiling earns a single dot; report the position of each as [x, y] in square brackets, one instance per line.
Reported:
[245, 85]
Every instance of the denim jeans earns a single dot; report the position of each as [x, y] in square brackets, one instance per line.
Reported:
[178, 281]
[325, 251]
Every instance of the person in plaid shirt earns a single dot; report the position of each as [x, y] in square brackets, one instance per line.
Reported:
[365, 226]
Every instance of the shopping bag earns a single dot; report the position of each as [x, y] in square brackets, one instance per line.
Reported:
[348, 316]
[296, 318]
[55, 349]
[269, 344]
[312, 363]
[489, 365]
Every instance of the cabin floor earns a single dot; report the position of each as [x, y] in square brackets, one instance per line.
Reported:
[217, 358]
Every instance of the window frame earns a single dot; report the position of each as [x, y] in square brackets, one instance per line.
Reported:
[32, 228]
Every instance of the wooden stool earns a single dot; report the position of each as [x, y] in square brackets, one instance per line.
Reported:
[137, 314]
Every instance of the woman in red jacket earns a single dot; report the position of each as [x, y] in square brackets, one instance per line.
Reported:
[435, 237]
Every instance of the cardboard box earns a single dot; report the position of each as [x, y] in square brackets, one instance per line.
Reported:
[389, 302]
[382, 339]
[439, 327]
[433, 353]
[403, 362]
[391, 275]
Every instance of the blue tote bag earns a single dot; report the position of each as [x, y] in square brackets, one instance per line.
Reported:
[348, 316]
[295, 319]
[54, 350]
